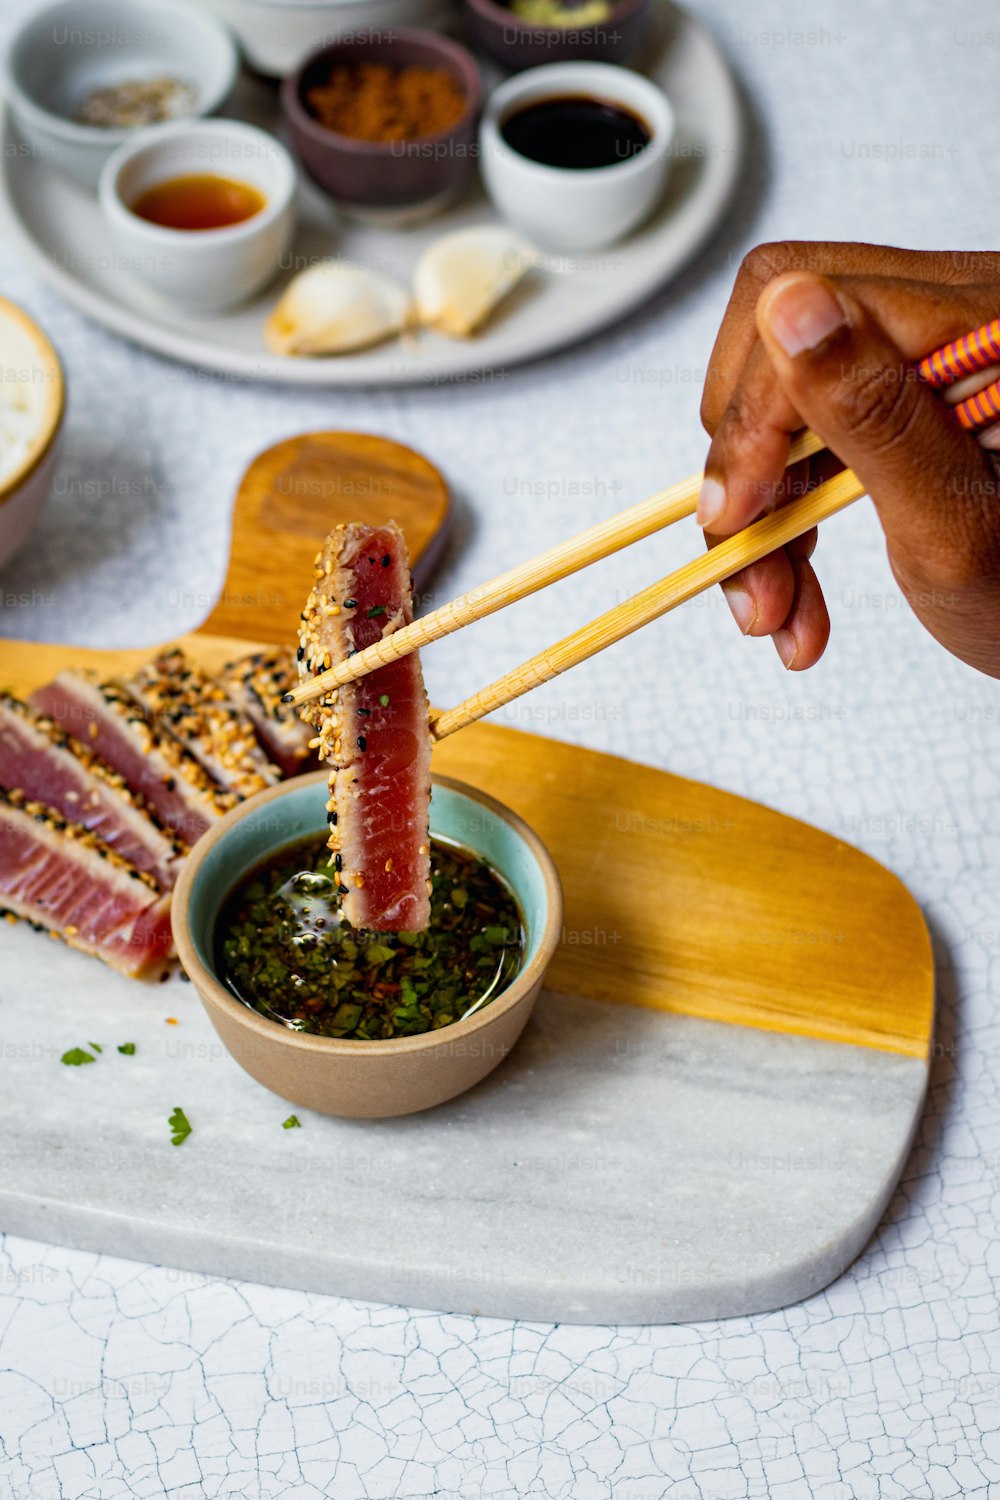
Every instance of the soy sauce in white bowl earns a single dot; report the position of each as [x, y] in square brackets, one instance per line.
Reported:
[576, 132]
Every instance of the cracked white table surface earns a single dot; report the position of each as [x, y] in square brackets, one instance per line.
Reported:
[119, 1380]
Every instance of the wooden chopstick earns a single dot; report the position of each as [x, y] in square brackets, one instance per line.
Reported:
[590, 546]
[725, 559]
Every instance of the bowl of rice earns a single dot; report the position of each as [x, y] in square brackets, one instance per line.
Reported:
[32, 399]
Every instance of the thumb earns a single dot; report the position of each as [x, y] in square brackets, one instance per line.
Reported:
[932, 484]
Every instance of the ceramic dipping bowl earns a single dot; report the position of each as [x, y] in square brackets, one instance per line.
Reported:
[576, 210]
[390, 180]
[62, 53]
[365, 1080]
[32, 397]
[516, 43]
[207, 270]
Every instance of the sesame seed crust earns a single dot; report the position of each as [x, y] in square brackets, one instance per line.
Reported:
[196, 710]
[345, 732]
[40, 724]
[75, 833]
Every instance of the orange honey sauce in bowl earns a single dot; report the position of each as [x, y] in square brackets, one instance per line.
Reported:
[198, 201]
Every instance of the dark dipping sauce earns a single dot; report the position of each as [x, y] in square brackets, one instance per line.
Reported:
[575, 131]
[283, 949]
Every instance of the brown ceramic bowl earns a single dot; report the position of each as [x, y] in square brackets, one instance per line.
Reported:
[521, 44]
[397, 175]
[365, 1080]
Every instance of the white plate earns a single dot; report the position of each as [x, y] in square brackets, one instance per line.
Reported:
[62, 235]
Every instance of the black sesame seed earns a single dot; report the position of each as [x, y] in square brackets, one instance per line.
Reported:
[300, 653]
[362, 742]
[350, 603]
[333, 819]
[342, 890]
[386, 560]
[365, 713]
[338, 862]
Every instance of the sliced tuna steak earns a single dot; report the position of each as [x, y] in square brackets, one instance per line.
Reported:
[374, 733]
[179, 697]
[41, 760]
[156, 766]
[256, 684]
[62, 877]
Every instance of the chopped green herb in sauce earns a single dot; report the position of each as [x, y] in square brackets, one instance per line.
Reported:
[283, 949]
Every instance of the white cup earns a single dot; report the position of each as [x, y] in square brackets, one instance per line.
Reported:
[576, 209]
[61, 53]
[202, 269]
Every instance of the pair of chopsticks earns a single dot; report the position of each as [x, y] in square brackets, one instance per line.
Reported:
[955, 361]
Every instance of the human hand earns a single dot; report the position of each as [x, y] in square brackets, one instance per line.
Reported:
[826, 335]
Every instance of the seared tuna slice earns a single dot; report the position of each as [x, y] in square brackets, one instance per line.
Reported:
[62, 877]
[41, 760]
[256, 684]
[179, 697]
[374, 733]
[156, 766]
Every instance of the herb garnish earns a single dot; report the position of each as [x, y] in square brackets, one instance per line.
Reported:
[284, 951]
[76, 1057]
[292, 1123]
[375, 611]
[127, 1048]
[180, 1127]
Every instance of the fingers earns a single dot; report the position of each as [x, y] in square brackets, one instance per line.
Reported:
[747, 456]
[851, 383]
[802, 639]
[925, 298]
[830, 344]
[761, 596]
[803, 546]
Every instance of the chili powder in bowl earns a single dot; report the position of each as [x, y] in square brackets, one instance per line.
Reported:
[373, 101]
[386, 123]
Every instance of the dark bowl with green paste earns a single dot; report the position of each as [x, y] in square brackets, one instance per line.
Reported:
[366, 1025]
[523, 35]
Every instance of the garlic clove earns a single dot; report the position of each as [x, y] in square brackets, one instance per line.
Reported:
[334, 307]
[463, 276]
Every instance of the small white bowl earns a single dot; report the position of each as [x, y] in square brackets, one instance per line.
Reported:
[204, 270]
[575, 210]
[30, 377]
[277, 35]
[57, 57]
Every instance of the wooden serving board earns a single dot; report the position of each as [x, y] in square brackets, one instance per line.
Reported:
[681, 900]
